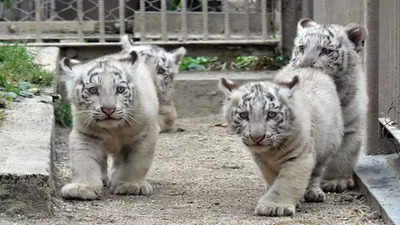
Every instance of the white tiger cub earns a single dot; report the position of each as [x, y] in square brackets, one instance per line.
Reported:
[114, 108]
[290, 128]
[167, 66]
[334, 49]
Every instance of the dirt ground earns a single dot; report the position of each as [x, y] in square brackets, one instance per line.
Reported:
[200, 176]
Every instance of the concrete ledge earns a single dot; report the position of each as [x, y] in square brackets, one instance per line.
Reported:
[26, 133]
[380, 182]
[196, 93]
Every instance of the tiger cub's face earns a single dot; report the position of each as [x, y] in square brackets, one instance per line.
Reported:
[102, 91]
[167, 64]
[332, 48]
[259, 112]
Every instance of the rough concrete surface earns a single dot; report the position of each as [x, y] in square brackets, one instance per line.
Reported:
[25, 134]
[380, 178]
[25, 137]
[200, 176]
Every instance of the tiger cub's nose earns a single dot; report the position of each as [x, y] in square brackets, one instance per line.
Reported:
[108, 110]
[257, 139]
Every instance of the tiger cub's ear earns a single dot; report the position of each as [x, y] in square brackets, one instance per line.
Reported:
[357, 35]
[305, 23]
[66, 64]
[178, 55]
[227, 86]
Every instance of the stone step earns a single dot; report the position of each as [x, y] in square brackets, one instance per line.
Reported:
[26, 132]
[378, 178]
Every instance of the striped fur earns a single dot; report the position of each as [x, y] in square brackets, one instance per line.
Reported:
[291, 128]
[335, 50]
[167, 67]
[114, 108]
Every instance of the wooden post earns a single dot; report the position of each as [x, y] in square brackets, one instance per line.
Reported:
[288, 25]
[122, 17]
[264, 23]
[38, 19]
[101, 20]
[80, 19]
[142, 20]
[184, 20]
[164, 20]
[247, 18]
[308, 9]
[372, 69]
[205, 19]
[226, 20]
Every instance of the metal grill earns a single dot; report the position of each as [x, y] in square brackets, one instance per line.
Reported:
[162, 21]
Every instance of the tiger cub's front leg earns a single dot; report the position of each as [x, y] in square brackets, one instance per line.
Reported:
[132, 164]
[88, 161]
[288, 188]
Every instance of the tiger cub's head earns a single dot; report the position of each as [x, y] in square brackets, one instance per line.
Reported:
[260, 112]
[332, 48]
[102, 91]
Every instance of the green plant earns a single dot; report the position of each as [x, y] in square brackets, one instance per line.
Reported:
[7, 3]
[17, 64]
[63, 114]
[194, 63]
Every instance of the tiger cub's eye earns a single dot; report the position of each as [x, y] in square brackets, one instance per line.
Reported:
[244, 115]
[93, 90]
[301, 48]
[120, 89]
[326, 51]
[271, 115]
[161, 70]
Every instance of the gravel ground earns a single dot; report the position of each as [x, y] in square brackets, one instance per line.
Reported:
[200, 176]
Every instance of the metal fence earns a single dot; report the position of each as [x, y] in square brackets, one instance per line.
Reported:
[194, 21]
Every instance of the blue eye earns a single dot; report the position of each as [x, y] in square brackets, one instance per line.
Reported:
[121, 89]
[244, 115]
[93, 90]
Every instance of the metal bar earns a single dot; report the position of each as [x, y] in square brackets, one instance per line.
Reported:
[184, 20]
[143, 20]
[205, 19]
[247, 18]
[101, 20]
[38, 20]
[164, 20]
[264, 23]
[226, 20]
[372, 68]
[80, 19]
[122, 17]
